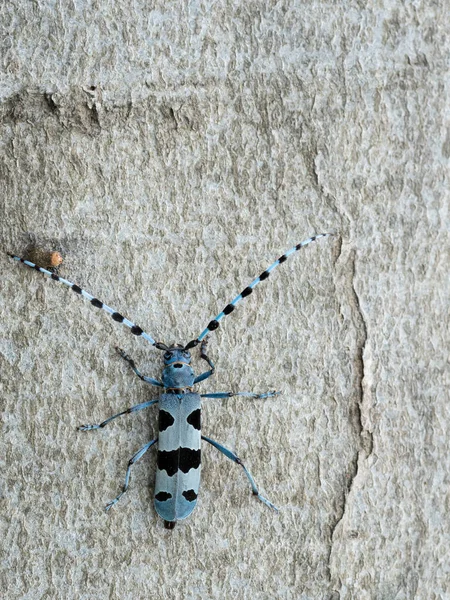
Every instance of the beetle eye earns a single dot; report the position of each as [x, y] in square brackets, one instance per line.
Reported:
[167, 355]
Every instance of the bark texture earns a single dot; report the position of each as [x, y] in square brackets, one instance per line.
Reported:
[169, 151]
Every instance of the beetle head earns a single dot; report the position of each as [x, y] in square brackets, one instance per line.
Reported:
[177, 371]
[177, 354]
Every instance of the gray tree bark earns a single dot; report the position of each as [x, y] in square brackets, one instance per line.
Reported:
[169, 152]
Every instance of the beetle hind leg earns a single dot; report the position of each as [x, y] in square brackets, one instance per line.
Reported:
[139, 454]
[232, 456]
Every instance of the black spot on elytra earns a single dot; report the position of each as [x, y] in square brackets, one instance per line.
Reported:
[194, 419]
[96, 303]
[189, 459]
[184, 459]
[168, 461]
[162, 496]
[165, 420]
[190, 495]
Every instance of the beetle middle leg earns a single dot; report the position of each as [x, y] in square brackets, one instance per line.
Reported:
[124, 412]
[246, 394]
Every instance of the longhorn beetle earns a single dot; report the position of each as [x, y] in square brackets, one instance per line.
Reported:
[179, 436]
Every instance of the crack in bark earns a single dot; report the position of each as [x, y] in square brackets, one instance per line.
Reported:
[365, 436]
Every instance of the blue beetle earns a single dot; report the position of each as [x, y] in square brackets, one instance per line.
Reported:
[179, 424]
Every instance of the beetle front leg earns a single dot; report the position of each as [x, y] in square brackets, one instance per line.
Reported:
[203, 355]
[132, 364]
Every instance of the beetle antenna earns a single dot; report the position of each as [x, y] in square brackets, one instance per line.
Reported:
[214, 324]
[117, 317]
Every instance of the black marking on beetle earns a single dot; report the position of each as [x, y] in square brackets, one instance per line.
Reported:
[184, 459]
[246, 292]
[264, 275]
[189, 459]
[168, 461]
[117, 317]
[76, 289]
[135, 330]
[192, 344]
[190, 495]
[194, 419]
[177, 366]
[55, 277]
[169, 524]
[282, 259]
[228, 309]
[165, 420]
[211, 326]
[95, 302]
[162, 496]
